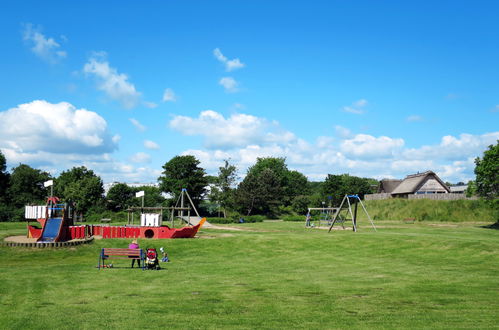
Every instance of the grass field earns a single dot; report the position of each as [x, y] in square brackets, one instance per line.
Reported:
[268, 275]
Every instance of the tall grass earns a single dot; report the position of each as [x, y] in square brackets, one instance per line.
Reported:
[430, 210]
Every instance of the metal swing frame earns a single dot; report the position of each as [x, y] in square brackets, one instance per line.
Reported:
[353, 213]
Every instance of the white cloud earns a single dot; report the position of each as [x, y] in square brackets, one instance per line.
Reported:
[209, 160]
[150, 105]
[411, 166]
[230, 65]
[169, 95]
[367, 146]
[353, 110]
[151, 145]
[357, 107]
[495, 109]
[141, 157]
[243, 138]
[237, 107]
[360, 103]
[342, 132]
[324, 141]
[57, 128]
[414, 118]
[137, 124]
[235, 131]
[234, 64]
[46, 48]
[454, 148]
[54, 136]
[114, 84]
[115, 171]
[230, 84]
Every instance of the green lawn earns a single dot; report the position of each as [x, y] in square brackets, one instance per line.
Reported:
[268, 275]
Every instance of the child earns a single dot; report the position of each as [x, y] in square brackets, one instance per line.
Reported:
[165, 255]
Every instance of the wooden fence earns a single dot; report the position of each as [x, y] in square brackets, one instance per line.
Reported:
[442, 197]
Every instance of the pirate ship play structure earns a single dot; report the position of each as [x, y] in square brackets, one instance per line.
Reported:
[58, 225]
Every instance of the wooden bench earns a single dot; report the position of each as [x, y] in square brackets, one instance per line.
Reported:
[129, 254]
[410, 220]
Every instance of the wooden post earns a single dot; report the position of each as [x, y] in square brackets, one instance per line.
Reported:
[182, 204]
[355, 215]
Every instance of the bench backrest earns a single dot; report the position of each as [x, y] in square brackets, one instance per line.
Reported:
[122, 252]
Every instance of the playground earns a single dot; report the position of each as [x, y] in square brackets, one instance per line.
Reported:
[264, 275]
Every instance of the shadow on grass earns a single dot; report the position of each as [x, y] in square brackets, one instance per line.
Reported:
[128, 267]
[492, 226]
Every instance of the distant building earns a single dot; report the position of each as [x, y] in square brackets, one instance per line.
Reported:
[388, 185]
[420, 183]
[414, 186]
[461, 189]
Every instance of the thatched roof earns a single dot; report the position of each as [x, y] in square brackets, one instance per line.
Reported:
[414, 181]
[388, 185]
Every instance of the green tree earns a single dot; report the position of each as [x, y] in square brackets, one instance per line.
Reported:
[278, 166]
[4, 177]
[120, 197]
[487, 176]
[26, 186]
[184, 172]
[81, 186]
[224, 188]
[335, 187]
[487, 173]
[259, 192]
[152, 196]
[296, 185]
[315, 187]
[300, 204]
[471, 189]
[286, 186]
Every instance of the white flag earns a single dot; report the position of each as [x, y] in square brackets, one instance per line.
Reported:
[139, 193]
[48, 183]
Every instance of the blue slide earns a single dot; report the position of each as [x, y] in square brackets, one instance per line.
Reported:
[51, 230]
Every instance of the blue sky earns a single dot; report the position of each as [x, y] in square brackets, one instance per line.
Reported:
[371, 88]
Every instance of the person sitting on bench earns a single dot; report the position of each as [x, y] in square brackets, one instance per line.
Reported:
[134, 245]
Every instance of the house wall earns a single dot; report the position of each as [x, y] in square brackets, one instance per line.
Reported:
[376, 197]
[431, 186]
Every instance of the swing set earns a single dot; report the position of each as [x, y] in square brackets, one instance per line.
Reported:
[325, 216]
[349, 202]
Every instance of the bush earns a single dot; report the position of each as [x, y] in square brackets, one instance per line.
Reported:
[249, 218]
[11, 213]
[209, 209]
[220, 220]
[236, 218]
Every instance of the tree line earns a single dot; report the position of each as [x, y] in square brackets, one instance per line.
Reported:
[268, 188]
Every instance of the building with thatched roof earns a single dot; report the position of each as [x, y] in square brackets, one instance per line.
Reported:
[421, 183]
[416, 186]
[386, 186]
